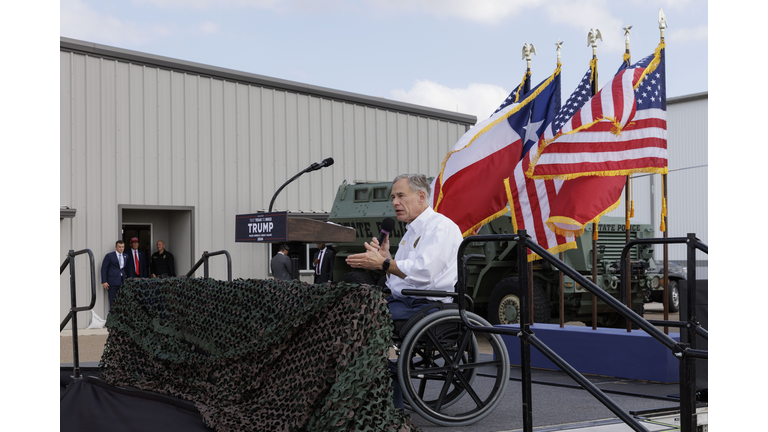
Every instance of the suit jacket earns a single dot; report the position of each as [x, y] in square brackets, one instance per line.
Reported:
[110, 269]
[281, 267]
[130, 268]
[326, 266]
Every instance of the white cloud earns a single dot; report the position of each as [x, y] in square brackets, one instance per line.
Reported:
[209, 27]
[274, 5]
[79, 21]
[477, 99]
[483, 11]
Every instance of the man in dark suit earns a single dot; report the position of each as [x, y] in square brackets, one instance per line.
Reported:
[137, 262]
[323, 263]
[281, 264]
[113, 270]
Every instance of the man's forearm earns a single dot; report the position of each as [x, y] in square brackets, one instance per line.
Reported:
[394, 270]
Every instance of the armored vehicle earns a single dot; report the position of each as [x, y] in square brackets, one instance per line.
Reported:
[492, 281]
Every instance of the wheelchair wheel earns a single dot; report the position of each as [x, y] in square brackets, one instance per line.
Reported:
[439, 365]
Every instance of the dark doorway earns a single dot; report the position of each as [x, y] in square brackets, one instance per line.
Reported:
[143, 233]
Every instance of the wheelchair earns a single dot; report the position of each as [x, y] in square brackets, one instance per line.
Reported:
[448, 374]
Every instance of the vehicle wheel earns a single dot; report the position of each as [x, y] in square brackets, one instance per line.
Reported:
[439, 362]
[358, 277]
[674, 296]
[504, 304]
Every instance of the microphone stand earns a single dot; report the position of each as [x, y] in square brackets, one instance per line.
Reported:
[294, 247]
[315, 166]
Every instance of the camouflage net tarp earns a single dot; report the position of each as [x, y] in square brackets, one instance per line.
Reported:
[258, 354]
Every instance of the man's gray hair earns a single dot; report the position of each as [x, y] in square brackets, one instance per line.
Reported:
[417, 182]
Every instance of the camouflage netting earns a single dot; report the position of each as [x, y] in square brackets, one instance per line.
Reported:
[258, 354]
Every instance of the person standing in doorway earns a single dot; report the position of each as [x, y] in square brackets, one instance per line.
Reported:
[137, 266]
[323, 263]
[113, 270]
[162, 264]
[281, 264]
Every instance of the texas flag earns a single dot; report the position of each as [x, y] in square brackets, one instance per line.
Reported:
[470, 189]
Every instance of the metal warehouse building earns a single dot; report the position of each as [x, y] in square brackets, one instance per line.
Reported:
[171, 150]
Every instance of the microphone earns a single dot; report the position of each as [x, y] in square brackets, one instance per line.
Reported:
[326, 162]
[387, 226]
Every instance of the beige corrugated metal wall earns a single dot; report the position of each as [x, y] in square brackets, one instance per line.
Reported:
[139, 135]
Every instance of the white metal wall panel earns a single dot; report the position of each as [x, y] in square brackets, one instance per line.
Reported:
[687, 182]
[136, 134]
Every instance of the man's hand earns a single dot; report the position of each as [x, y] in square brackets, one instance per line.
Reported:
[105, 285]
[371, 259]
[382, 248]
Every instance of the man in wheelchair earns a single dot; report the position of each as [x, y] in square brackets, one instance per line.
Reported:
[426, 256]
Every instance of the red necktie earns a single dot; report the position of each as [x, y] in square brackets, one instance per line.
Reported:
[136, 261]
[320, 262]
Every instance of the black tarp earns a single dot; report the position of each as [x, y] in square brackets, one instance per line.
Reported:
[88, 404]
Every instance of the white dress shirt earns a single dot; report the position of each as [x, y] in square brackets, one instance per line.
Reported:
[427, 256]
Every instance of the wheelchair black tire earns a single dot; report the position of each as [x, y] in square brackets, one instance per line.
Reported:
[414, 377]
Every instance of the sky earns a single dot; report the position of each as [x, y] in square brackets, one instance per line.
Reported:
[455, 55]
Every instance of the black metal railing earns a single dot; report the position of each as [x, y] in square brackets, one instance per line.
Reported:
[691, 322]
[204, 262]
[74, 309]
[527, 338]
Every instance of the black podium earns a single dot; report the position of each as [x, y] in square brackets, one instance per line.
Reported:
[279, 227]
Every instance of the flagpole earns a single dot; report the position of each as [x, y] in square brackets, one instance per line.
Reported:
[665, 232]
[627, 59]
[592, 40]
[529, 49]
[561, 278]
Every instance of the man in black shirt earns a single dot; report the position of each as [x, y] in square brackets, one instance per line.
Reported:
[162, 262]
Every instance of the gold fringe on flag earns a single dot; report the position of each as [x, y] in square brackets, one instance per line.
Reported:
[576, 232]
[527, 76]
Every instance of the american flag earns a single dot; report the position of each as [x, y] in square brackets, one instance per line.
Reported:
[530, 199]
[622, 130]
[470, 189]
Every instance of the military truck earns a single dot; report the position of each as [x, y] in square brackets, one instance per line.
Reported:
[492, 281]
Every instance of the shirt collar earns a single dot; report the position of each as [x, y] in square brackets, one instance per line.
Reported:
[421, 220]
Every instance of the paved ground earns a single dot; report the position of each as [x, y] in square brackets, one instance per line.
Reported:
[90, 345]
